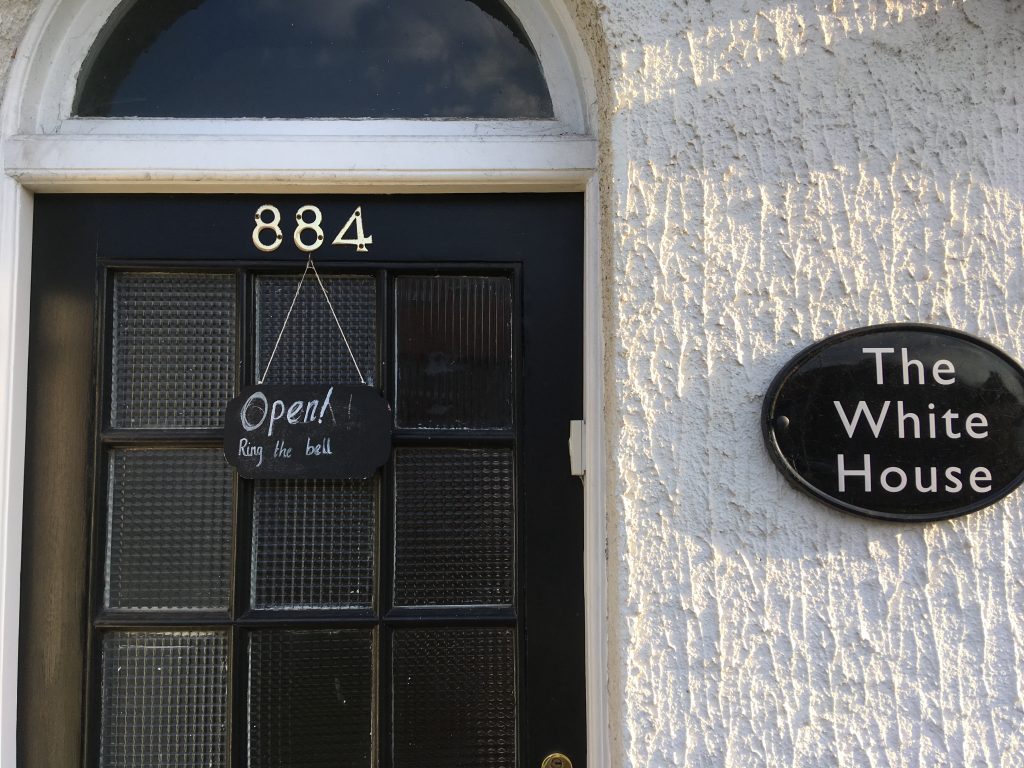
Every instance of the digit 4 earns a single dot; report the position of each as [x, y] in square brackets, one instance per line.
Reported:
[360, 241]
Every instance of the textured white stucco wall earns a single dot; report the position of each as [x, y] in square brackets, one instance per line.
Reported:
[782, 171]
[14, 16]
[776, 172]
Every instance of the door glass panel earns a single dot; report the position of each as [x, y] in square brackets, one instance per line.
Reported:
[165, 699]
[454, 343]
[454, 527]
[169, 537]
[311, 699]
[312, 349]
[306, 58]
[173, 350]
[313, 544]
[454, 698]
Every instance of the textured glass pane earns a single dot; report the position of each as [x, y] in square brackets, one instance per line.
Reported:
[165, 700]
[312, 350]
[173, 350]
[454, 527]
[307, 58]
[454, 352]
[454, 698]
[311, 699]
[169, 529]
[313, 543]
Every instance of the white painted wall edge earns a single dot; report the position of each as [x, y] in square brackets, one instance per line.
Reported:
[269, 127]
[59, 163]
[15, 284]
[595, 494]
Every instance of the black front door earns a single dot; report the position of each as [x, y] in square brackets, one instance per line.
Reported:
[176, 614]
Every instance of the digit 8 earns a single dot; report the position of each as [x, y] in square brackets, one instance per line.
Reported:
[272, 225]
[304, 225]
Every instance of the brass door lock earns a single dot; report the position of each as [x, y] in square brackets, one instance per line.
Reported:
[556, 760]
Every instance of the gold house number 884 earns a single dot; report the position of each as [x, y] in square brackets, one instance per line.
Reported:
[308, 235]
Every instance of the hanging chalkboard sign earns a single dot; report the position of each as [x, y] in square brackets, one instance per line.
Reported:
[307, 431]
[900, 422]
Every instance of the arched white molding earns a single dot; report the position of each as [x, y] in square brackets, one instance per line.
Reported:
[44, 149]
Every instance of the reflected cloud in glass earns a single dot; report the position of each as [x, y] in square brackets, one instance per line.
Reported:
[314, 59]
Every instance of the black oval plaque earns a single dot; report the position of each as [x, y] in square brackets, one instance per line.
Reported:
[899, 422]
[307, 431]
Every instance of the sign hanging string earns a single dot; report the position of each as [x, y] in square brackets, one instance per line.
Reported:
[287, 317]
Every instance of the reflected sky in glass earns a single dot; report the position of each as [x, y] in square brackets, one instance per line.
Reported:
[314, 59]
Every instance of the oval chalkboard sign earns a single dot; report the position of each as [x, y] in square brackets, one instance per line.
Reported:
[900, 422]
[316, 431]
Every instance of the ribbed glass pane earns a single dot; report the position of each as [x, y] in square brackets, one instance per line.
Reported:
[312, 350]
[169, 529]
[305, 58]
[454, 352]
[313, 543]
[165, 700]
[454, 698]
[311, 699]
[454, 527]
[173, 350]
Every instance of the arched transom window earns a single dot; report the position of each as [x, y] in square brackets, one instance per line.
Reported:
[310, 59]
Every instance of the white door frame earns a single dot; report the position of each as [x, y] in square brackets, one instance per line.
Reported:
[44, 149]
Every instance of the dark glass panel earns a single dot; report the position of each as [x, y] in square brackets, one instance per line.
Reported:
[454, 352]
[454, 698]
[308, 58]
[454, 527]
[311, 699]
[312, 349]
[313, 544]
[173, 350]
[169, 534]
[165, 700]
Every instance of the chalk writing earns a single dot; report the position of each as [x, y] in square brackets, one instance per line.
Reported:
[276, 431]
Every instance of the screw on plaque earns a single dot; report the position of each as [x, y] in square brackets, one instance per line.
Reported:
[556, 760]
